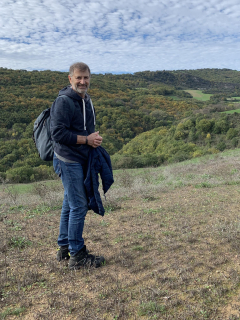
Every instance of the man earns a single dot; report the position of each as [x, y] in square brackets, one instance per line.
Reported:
[73, 130]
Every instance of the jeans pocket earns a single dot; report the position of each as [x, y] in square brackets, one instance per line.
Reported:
[57, 166]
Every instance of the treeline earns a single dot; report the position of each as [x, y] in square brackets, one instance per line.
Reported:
[214, 75]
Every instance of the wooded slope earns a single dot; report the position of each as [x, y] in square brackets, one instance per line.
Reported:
[126, 106]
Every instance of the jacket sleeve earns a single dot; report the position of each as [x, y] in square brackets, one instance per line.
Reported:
[91, 183]
[61, 116]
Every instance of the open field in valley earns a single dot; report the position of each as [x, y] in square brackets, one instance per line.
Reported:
[234, 99]
[170, 237]
[199, 95]
[232, 111]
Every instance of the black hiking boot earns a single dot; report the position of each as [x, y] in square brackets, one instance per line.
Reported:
[63, 253]
[83, 258]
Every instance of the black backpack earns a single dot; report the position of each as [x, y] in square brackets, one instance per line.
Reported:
[42, 135]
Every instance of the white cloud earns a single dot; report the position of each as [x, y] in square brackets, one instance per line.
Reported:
[126, 36]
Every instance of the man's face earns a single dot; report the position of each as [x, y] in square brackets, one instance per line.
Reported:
[80, 81]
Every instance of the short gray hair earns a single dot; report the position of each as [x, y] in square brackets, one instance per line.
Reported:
[80, 66]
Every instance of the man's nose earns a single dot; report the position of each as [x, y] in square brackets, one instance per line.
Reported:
[82, 81]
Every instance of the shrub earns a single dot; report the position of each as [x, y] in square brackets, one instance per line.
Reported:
[42, 172]
[28, 174]
[221, 145]
[221, 126]
[188, 124]
[234, 142]
[19, 175]
[231, 133]
[3, 176]
[212, 151]
[192, 135]
[180, 156]
[204, 125]
[181, 131]
[197, 153]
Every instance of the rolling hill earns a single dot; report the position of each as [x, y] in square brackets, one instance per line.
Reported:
[129, 107]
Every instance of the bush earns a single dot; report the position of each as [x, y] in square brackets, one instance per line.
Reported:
[221, 145]
[212, 150]
[204, 125]
[181, 131]
[19, 175]
[198, 153]
[3, 176]
[231, 133]
[192, 135]
[42, 172]
[28, 174]
[221, 126]
[234, 142]
[180, 156]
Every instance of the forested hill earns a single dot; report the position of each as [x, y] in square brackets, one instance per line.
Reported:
[217, 80]
[215, 75]
[126, 106]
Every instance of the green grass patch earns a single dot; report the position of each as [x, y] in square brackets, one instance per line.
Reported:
[150, 308]
[11, 312]
[199, 95]
[19, 242]
[138, 248]
[233, 98]
[175, 98]
[232, 111]
[23, 188]
[204, 185]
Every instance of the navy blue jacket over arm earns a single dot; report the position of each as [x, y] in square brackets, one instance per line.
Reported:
[99, 162]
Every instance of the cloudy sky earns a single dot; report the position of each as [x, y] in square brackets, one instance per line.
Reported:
[120, 36]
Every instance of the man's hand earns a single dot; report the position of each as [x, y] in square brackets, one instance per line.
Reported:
[94, 139]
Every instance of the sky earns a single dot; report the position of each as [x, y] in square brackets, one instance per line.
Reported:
[124, 36]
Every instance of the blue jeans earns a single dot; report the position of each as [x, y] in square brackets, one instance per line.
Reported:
[75, 205]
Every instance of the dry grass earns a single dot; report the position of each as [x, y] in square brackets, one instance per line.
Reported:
[170, 236]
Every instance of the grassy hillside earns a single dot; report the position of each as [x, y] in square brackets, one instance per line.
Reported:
[170, 237]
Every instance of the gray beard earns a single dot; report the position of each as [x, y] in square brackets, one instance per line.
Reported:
[75, 88]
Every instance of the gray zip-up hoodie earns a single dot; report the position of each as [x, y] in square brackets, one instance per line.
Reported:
[68, 122]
